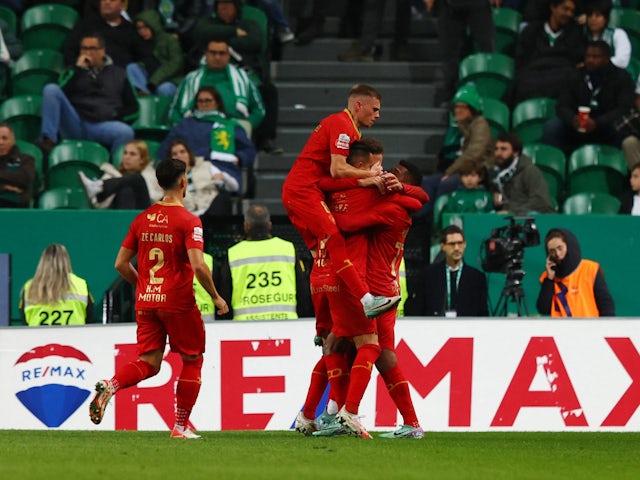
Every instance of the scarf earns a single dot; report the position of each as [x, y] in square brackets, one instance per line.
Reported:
[223, 136]
[502, 177]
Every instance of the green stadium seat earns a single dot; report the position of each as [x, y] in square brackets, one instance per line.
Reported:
[492, 73]
[529, 117]
[507, 25]
[458, 202]
[34, 69]
[24, 114]
[597, 168]
[497, 114]
[71, 156]
[10, 17]
[47, 26]
[64, 197]
[552, 163]
[153, 121]
[591, 202]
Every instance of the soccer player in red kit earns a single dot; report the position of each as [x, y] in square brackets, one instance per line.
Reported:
[169, 244]
[325, 155]
[357, 209]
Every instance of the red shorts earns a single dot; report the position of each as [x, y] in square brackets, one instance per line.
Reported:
[386, 323]
[321, 285]
[348, 316]
[306, 208]
[185, 330]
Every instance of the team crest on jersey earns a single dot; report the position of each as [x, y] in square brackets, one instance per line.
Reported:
[343, 141]
[197, 234]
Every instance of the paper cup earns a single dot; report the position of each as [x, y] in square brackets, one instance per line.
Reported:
[583, 115]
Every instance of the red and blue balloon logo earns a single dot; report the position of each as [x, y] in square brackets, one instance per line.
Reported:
[53, 382]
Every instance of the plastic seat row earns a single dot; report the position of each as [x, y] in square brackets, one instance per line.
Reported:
[24, 112]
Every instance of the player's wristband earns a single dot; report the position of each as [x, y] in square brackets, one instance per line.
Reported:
[318, 341]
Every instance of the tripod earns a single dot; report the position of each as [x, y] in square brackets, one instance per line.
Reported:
[513, 292]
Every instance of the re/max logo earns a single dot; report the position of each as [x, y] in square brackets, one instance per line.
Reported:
[57, 371]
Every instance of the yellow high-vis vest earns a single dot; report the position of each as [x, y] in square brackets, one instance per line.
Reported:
[71, 310]
[263, 276]
[402, 280]
[203, 299]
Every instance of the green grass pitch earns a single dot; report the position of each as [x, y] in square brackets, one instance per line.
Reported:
[54, 454]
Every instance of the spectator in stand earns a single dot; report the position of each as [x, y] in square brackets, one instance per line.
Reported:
[159, 72]
[310, 17]
[132, 186]
[606, 89]
[123, 45]
[93, 101]
[597, 28]
[245, 39]
[631, 143]
[277, 18]
[468, 137]
[240, 95]
[209, 188]
[364, 49]
[630, 201]
[455, 17]
[213, 135]
[55, 295]
[17, 171]
[518, 185]
[547, 52]
[10, 50]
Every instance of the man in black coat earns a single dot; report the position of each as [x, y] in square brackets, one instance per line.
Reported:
[452, 288]
[608, 91]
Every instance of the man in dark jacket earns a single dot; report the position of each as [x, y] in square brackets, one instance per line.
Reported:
[453, 288]
[547, 52]
[93, 101]
[518, 185]
[17, 171]
[608, 91]
[123, 44]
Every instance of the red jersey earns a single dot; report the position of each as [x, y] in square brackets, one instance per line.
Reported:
[333, 136]
[360, 208]
[162, 235]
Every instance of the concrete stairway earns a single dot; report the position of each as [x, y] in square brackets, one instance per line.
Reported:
[313, 84]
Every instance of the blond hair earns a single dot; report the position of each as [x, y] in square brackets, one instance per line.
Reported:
[52, 279]
[143, 150]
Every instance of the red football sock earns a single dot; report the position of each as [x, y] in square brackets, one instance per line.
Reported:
[338, 375]
[317, 387]
[344, 268]
[398, 388]
[188, 389]
[132, 374]
[360, 375]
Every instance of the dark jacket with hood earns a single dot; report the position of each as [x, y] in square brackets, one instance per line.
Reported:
[569, 264]
[165, 59]
[18, 170]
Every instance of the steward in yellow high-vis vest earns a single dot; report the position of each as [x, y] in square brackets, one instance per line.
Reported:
[263, 272]
[55, 296]
[72, 309]
[203, 299]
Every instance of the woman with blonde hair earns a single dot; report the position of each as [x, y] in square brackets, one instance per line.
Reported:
[55, 295]
[132, 186]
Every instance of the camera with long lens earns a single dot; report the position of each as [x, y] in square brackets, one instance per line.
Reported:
[504, 249]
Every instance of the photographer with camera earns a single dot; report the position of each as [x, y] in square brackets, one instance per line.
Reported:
[453, 288]
[518, 186]
[572, 286]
